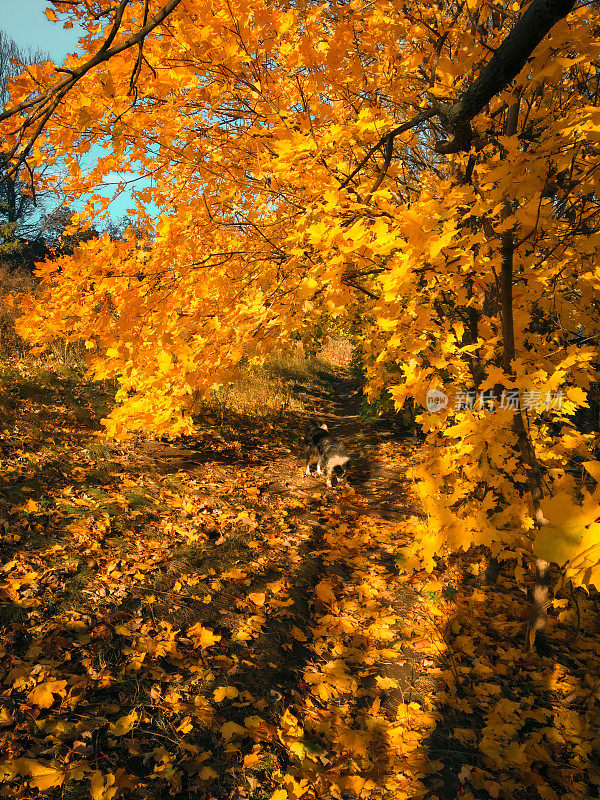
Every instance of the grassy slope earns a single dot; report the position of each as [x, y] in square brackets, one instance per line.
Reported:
[199, 619]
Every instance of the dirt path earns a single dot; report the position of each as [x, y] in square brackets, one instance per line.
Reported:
[378, 452]
[337, 550]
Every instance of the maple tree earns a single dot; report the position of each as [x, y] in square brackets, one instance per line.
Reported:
[428, 170]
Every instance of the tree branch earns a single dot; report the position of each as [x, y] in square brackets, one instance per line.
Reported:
[389, 150]
[389, 137]
[506, 63]
[46, 102]
[140, 57]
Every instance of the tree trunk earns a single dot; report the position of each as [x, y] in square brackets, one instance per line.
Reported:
[537, 620]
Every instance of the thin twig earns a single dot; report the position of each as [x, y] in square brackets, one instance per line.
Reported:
[406, 126]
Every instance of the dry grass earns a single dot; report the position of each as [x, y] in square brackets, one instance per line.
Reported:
[337, 352]
[14, 283]
[260, 394]
[263, 392]
[272, 390]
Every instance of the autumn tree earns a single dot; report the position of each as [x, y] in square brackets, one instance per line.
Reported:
[16, 204]
[30, 218]
[426, 169]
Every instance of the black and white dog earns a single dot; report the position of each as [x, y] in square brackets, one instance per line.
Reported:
[327, 453]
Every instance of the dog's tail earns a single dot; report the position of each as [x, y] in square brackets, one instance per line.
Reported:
[313, 425]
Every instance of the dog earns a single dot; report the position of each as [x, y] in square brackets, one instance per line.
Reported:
[327, 453]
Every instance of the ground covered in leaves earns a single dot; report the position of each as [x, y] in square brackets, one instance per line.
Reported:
[199, 619]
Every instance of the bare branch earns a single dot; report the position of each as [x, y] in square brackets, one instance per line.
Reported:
[140, 57]
[389, 151]
[406, 126]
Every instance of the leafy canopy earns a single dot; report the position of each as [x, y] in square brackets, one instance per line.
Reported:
[264, 133]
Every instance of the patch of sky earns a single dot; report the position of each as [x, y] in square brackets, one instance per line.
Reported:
[25, 21]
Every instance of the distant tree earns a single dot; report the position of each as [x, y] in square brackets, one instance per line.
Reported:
[19, 217]
[63, 234]
[117, 228]
[30, 222]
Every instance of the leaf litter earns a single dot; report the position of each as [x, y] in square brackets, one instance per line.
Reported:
[199, 619]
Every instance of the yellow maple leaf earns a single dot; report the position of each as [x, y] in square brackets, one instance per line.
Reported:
[102, 786]
[297, 634]
[258, 598]
[298, 749]
[295, 788]
[223, 692]
[207, 774]
[124, 724]
[354, 741]
[230, 728]
[43, 776]
[385, 683]
[320, 687]
[85, 116]
[353, 782]
[251, 759]
[324, 592]
[561, 539]
[202, 637]
[43, 694]
[387, 324]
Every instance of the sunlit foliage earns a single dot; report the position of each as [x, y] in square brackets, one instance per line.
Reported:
[265, 132]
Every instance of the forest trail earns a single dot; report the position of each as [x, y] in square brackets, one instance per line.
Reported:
[199, 619]
[338, 643]
[379, 451]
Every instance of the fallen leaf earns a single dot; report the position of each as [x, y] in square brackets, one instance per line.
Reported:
[124, 724]
[223, 692]
[43, 694]
[258, 598]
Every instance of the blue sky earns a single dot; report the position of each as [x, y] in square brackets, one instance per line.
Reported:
[28, 25]
[26, 22]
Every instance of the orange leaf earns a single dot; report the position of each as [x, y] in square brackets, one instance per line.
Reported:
[202, 637]
[297, 634]
[230, 728]
[324, 592]
[223, 692]
[258, 598]
[43, 694]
